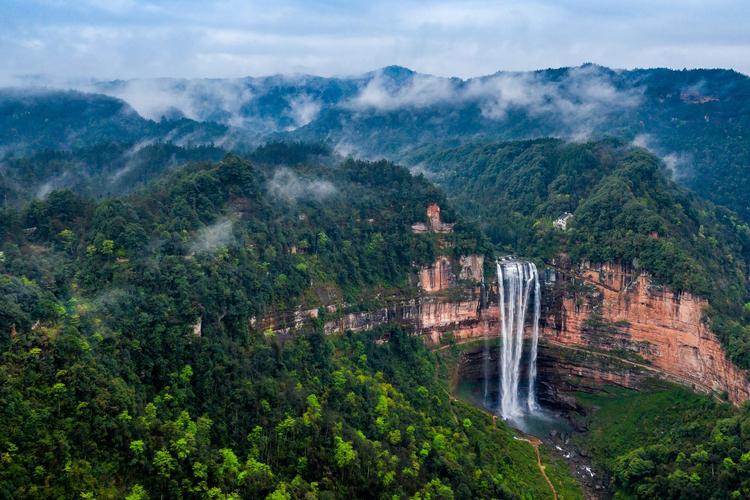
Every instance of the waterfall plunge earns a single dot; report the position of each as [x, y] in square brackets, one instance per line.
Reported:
[515, 280]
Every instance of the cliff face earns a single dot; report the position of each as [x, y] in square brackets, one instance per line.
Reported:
[616, 310]
[431, 316]
[448, 300]
[445, 273]
[437, 276]
[603, 325]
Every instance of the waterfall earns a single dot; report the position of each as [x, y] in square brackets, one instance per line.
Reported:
[531, 400]
[515, 280]
[486, 354]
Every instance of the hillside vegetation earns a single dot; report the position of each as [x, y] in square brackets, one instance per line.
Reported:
[667, 442]
[105, 390]
[697, 120]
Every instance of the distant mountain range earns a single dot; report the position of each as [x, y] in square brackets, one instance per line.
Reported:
[696, 120]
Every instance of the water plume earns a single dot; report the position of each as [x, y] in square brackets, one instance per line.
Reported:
[516, 280]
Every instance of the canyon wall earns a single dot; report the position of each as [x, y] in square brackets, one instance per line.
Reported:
[449, 299]
[616, 310]
[600, 324]
[433, 316]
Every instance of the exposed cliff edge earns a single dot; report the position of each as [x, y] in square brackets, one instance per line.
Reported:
[622, 326]
[448, 298]
[613, 309]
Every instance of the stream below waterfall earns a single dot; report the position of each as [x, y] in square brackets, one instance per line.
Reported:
[549, 426]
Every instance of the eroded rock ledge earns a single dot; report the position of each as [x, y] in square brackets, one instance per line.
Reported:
[616, 310]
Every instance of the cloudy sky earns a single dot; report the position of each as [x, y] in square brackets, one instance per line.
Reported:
[109, 39]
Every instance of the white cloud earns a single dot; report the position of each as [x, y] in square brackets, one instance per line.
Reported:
[219, 100]
[303, 109]
[580, 99]
[230, 38]
[130, 159]
[214, 237]
[679, 163]
[420, 91]
[288, 186]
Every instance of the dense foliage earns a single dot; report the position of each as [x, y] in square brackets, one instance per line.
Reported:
[306, 417]
[667, 442]
[698, 120]
[624, 209]
[105, 390]
[106, 169]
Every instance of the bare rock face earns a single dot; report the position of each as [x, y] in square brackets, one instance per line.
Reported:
[472, 268]
[434, 224]
[444, 273]
[604, 325]
[284, 322]
[600, 325]
[617, 310]
[438, 276]
[430, 316]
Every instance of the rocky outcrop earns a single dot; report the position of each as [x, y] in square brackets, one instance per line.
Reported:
[564, 370]
[449, 299]
[430, 316]
[434, 224]
[630, 328]
[617, 310]
[445, 273]
[438, 276]
[472, 268]
[284, 322]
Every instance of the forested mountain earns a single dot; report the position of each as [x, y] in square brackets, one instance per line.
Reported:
[697, 120]
[36, 119]
[106, 169]
[106, 391]
[142, 237]
[668, 443]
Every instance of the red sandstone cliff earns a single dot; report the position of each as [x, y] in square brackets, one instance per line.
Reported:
[624, 311]
[618, 314]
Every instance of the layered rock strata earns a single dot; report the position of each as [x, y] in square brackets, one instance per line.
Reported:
[617, 310]
[622, 327]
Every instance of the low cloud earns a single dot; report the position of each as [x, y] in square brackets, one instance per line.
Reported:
[422, 169]
[303, 109]
[383, 94]
[64, 180]
[576, 100]
[131, 160]
[288, 186]
[214, 237]
[580, 99]
[679, 163]
[346, 149]
[215, 100]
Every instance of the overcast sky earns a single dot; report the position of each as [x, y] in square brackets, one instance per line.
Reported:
[109, 39]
